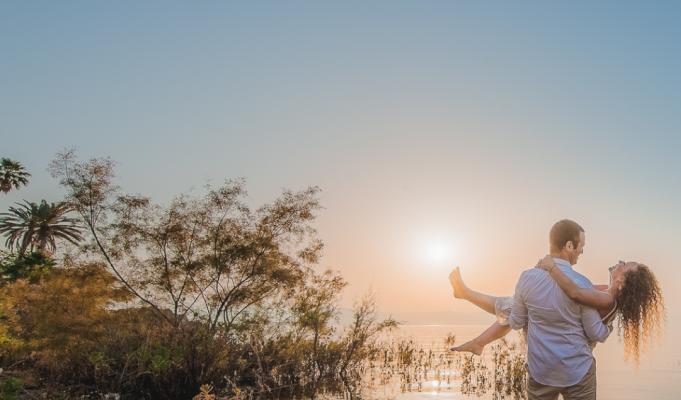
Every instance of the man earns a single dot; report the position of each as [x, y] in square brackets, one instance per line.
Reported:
[558, 329]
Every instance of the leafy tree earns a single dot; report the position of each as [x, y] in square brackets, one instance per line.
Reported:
[239, 303]
[315, 309]
[38, 226]
[209, 258]
[12, 175]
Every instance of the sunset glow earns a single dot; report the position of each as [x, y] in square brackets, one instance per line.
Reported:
[438, 251]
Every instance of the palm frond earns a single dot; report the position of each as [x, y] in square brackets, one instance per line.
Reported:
[12, 175]
[30, 225]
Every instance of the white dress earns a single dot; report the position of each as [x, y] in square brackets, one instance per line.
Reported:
[502, 309]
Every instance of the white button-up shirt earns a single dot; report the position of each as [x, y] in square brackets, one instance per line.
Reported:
[558, 329]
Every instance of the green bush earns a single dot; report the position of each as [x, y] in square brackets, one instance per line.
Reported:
[32, 266]
[10, 389]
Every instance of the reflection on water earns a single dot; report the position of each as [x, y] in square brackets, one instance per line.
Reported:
[439, 374]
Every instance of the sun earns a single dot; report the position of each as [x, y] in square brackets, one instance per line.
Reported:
[437, 251]
[435, 248]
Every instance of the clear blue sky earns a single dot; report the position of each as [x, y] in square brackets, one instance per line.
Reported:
[477, 123]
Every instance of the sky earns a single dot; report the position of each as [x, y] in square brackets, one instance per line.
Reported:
[440, 133]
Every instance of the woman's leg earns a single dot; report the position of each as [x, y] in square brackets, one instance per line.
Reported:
[484, 301]
[461, 291]
[475, 346]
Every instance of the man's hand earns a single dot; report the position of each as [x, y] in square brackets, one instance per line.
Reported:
[546, 264]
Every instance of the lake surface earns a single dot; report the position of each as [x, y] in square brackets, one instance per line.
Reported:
[659, 375]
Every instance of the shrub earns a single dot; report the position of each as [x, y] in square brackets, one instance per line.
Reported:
[10, 388]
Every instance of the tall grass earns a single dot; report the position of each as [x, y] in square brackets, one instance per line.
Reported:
[402, 365]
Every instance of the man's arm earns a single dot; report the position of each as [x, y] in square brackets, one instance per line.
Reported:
[594, 327]
[518, 317]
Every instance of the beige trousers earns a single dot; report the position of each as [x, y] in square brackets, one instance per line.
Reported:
[583, 390]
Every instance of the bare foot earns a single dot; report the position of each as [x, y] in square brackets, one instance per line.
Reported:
[459, 288]
[470, 347]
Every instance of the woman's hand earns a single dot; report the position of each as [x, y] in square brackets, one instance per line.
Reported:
[546, 264]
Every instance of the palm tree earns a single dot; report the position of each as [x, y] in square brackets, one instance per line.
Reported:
[38, 226]
[12, 174]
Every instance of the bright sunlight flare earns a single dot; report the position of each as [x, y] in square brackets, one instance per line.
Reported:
[438, 251]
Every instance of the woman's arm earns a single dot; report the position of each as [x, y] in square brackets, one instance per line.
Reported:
[588, 297]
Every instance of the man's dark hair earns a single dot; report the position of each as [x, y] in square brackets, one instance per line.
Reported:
[564, 231]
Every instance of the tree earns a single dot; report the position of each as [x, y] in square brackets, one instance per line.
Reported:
[38, 227]
[209, 258]
[314, 309]
[12, 175]
[234, 290]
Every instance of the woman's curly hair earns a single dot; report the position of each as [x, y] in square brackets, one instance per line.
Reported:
[640, 311]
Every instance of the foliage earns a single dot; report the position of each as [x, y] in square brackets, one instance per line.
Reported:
[403, 365]
[360, 335]
[38, 226]
[31, 266]
[64, 312]
[209, 257]
[506, 377]
[314, 310]
[165, 299]
[12, 175]
[10, 388]
[68, 329]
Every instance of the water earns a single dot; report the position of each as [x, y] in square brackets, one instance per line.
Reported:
[659, 375]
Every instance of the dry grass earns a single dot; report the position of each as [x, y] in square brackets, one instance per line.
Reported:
[402, 365]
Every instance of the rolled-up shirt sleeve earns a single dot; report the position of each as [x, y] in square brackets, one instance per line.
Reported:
[518, 317]
[594, 327]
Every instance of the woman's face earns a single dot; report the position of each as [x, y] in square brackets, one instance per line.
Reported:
[619, 271]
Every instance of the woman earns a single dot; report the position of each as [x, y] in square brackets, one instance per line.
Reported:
[633, 297]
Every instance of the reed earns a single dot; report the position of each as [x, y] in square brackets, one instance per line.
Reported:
[402, 365]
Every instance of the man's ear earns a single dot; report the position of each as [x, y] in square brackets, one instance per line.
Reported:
[569, 245]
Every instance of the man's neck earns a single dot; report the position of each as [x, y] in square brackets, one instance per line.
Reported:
[560, 256]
